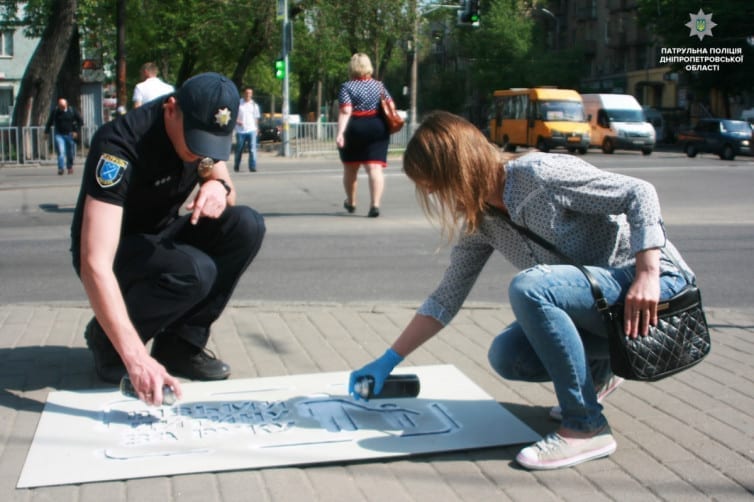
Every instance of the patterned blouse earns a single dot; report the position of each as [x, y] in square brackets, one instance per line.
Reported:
[362, 94]
[593, 216]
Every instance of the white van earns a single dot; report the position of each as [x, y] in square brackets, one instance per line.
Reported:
[618, 121]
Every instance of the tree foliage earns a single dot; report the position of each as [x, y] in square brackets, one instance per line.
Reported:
[37, 86]
[242, 39]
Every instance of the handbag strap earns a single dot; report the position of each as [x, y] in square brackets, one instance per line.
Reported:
[599, 297]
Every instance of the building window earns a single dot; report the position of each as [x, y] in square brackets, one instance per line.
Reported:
[6, 43]
[6, 100]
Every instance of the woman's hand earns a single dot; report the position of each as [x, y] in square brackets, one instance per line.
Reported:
[378, 370]
[640, 309]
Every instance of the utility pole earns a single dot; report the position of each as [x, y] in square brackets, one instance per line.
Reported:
[414, 68]
[287, 42]
[122, 92]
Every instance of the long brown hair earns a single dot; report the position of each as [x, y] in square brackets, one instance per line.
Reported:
[453, 166]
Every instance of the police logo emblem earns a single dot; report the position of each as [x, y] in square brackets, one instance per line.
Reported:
[110, 170]
[700, 25]
[222, 117]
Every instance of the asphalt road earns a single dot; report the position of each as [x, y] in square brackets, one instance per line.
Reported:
[316, 252]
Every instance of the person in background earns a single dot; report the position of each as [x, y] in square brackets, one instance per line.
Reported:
[608, 222]
[67, 123]
[151, 86]
[247, 125]
[362, 136]
[151, 272]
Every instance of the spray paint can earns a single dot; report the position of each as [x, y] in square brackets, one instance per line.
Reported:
[127, 389]
[395, 386]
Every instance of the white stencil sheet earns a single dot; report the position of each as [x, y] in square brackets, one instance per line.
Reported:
[261, 422]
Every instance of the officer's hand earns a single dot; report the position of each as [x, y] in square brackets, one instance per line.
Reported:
[379, 369]
[210, 201]
[148, 378]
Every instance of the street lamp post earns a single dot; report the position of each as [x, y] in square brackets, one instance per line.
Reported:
[548, 13]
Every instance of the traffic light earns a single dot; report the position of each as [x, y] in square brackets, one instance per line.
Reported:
[280, 69]
[468, 14]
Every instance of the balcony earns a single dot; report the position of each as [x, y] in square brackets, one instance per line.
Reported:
[622, 5]
[588, 46]
[585, 13]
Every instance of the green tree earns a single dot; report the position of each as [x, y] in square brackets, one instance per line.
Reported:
[55, 23]
[328, 32]
[508, 49]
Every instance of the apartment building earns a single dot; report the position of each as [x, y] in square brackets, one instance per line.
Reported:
[15, 52]
[622, 56]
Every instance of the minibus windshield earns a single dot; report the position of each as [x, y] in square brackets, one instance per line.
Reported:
[561, 111]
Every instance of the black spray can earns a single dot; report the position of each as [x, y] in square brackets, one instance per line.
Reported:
[395, 386]
[127, 389]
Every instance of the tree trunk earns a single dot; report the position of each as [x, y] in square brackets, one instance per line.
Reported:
[38, 84]
[69, 79]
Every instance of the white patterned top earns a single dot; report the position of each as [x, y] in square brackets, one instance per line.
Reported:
[593, 216]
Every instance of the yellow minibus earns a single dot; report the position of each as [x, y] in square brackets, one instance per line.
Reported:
[542, 117]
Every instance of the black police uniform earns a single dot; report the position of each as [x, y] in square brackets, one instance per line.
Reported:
[176, 278]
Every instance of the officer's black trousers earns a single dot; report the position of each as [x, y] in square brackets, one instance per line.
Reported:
[177, 283]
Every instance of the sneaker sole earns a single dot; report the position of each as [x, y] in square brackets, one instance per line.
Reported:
[571, 461]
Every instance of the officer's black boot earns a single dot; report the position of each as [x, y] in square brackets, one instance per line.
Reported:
[107, 362]
[181, 358]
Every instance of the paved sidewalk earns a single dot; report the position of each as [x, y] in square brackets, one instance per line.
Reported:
[690, 437]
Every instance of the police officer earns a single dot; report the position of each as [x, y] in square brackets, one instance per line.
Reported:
[149, 271]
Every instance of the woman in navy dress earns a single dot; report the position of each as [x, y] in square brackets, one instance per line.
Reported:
[362, 135]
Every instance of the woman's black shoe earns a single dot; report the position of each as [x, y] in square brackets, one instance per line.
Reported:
[348, 207]
[374, 212]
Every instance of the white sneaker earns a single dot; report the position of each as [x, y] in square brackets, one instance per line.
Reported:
[555, 451]
[602, 392]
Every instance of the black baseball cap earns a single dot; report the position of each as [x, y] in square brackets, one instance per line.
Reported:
[209, 102]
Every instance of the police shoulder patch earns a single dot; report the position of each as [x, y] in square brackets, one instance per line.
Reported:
[110, 170]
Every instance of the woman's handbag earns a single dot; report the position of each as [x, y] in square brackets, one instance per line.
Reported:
[678, 341]
[393, 121]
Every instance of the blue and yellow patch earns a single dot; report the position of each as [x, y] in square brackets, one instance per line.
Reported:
[110, 170]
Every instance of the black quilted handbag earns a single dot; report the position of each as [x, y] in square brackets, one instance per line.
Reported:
[678, 341]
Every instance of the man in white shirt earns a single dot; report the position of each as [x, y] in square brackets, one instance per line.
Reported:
[151, 86]
[247, 125]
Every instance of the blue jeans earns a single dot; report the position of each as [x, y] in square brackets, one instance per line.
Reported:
[241, 139]
[65, 147]
[559, 335]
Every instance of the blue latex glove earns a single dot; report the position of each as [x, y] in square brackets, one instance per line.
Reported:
[379, 369]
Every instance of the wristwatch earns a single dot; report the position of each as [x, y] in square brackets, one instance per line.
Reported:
[204, 168]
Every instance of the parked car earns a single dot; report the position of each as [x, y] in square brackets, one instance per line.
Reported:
[270, 130]
[726, 138]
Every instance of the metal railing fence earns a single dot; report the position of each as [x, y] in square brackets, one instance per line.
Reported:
[318, 138]
[33, 146]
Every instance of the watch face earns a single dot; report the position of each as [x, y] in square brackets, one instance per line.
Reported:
[205, 167]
